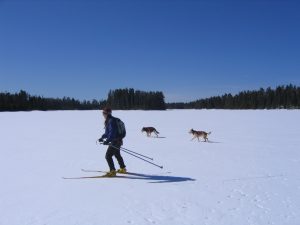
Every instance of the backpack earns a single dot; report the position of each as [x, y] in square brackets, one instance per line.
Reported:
[121, 128]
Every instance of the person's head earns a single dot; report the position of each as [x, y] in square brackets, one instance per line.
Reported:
[106, 111]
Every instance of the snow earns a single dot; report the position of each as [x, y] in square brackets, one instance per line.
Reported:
[247, 174]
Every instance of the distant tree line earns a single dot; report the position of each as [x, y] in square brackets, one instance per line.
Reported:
[117, 99]
[135, 99]
[282, 97]
[22, 101]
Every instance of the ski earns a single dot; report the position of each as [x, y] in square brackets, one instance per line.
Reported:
[101, 171]
[119, 174]
[152, 178]
[156, 137]
[92, 177]
[93, 171]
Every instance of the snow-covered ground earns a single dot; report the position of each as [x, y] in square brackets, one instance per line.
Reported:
[248, 174]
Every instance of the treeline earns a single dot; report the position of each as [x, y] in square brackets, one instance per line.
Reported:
[282, 97]
[135, 99]
[117, 99]
[22, 101]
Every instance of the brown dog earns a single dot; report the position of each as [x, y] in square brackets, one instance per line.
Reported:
[150, 130]
[198, 134]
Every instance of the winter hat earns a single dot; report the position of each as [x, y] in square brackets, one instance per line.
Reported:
[106, 110]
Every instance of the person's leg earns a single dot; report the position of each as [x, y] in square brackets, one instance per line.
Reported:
[120, 159]
[118, 156]
[108, 156]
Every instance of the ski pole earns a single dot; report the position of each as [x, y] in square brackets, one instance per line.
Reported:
[137, 157]
[136, 153]
[140, 158]
[132, 152]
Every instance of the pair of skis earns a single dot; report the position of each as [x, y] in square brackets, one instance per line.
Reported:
[119, 175]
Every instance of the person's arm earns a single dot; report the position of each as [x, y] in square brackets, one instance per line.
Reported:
[109, 131]
[105, 135]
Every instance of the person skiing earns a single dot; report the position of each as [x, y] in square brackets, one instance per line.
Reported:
[114, 142]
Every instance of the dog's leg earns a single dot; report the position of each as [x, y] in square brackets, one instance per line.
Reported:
[193, 138]
[198, 139]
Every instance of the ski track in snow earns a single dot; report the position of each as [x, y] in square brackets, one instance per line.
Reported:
[247, 174]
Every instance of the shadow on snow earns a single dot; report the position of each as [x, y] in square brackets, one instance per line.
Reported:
[158, 178]
[140, 176]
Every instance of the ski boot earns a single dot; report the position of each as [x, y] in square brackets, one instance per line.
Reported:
[111, 173]
[122, 170]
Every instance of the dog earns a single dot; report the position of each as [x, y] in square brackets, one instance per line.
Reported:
[150, 130]
[198, 134]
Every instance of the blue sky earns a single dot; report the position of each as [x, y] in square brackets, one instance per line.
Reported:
[189, 49]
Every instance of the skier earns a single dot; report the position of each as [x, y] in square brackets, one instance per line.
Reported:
[110, 137]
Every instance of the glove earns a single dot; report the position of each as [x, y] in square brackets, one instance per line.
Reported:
[106, 142]
[101, 139]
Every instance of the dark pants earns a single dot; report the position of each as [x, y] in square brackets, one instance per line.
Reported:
[114, 151]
